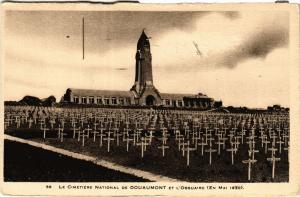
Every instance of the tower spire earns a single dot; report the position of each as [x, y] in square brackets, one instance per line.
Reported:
[143, 41]
[143, 67]
[143, 89]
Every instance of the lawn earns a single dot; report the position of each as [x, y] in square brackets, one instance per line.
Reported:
[173, 165]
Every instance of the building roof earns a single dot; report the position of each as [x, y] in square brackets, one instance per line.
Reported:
[174, 96]
[180, 96]
[89, 92]
[117, 93]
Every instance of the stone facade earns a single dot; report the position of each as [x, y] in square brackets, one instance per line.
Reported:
[143, 91]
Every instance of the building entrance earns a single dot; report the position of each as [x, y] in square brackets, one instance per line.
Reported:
[150, 100]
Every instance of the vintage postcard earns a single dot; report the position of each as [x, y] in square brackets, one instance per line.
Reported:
[150, 99]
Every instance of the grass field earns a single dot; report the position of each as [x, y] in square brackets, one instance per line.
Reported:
[173, 165]
[25, 163]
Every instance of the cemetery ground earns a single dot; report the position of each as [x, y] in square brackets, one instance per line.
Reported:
[172, 164]
[26, 163]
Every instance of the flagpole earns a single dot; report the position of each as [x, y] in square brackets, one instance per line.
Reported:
[82, 38]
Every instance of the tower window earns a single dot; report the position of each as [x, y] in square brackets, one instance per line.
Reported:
[99, 100]
[121, 101]
[76, 99]
[167, 102]
[127, 100]
[174, 103]
[114, 100]
[106, 101]
[83, 100]
[91, 100]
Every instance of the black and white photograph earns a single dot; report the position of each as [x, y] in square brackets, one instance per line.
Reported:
[147, 95]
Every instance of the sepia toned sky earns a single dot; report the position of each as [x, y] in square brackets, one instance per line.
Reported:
[243, 59]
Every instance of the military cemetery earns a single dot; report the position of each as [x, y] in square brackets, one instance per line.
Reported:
[173, 137]
[252, 147]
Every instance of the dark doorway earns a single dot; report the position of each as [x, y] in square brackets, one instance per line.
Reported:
[150, 100]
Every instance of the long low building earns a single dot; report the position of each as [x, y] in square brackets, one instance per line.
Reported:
[143, 92]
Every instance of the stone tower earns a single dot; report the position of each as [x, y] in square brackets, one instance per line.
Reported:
[143, 89]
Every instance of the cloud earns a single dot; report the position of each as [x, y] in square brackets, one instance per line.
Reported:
[103, 30]
[223, 42]
[234, 47]
[254, 83]
[259, 45]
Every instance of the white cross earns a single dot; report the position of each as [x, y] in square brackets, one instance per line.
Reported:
[62, 135]
[73, 122]
[236, 144]
[9, 120]
[18, 123]
[266, 142]
[118, 137]
[188, 149]
[75, 130]
[232, 150]
[180, 139]
[134, 137]
[128, 139]
[273, 139]
[249, 162]
[59, 130]
[42, 122]
[143, 145]
[182, 144]
[44, 130]
[280, 144]
[252, 151]
[285, 138]
[210, 151]
[163, 139]
[88, 131]
[224, 140]
[83, 134]
[125, 133]
[273, 159]
[196, 141]
[101, 137]
[108, 139]
[273, 150]
[95, 132]
[242, 133]
[219, 145]
[263, 138]
[163, 147]
[30, 121]
[95, 126]
[202, 144]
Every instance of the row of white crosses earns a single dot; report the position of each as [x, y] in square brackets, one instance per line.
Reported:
[219, 143]
[207, 133]
[273, 159]
[251, 153]
[204, 121]
[264, 142]
[163, 140]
